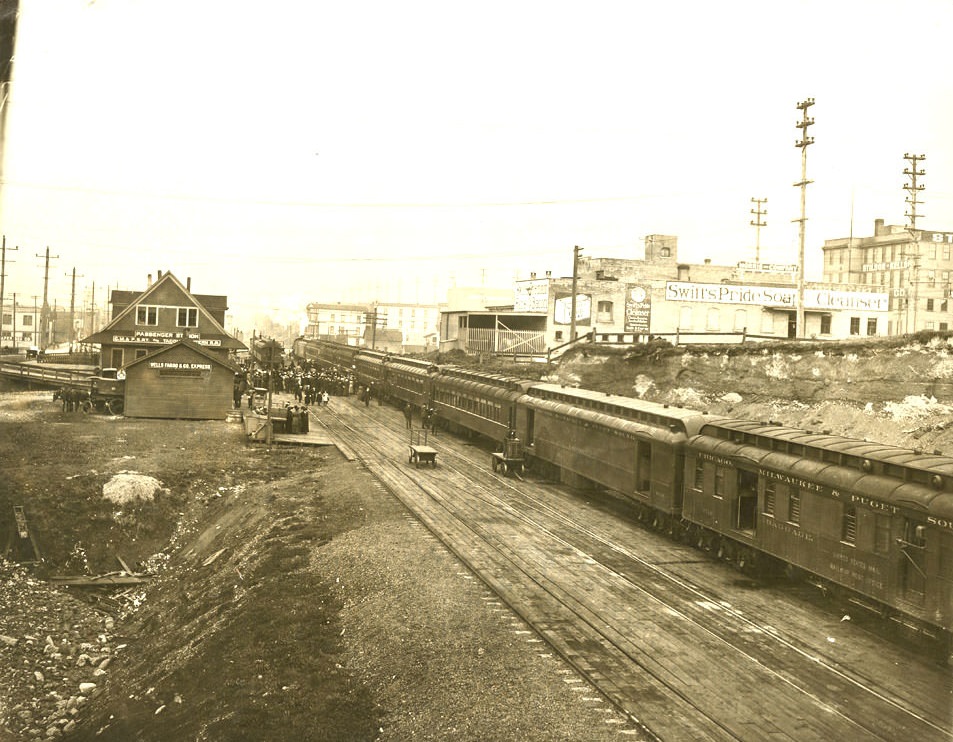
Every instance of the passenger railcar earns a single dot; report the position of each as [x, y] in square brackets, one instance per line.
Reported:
[627, 445]
[409, 380]
[876, 520]
[873, 520]
[473, 402]
[368, 368]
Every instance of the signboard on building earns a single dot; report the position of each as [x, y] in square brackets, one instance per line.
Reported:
[531, 296]
[563, 309]
[638, 308]
[776, 296]
[165, 338]
[767, 267]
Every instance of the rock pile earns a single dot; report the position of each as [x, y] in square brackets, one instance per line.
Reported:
[55, 654]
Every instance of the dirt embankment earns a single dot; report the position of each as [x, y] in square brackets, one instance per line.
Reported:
[290, 597]
[894, 392]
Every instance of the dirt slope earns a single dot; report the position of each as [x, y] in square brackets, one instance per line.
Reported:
[895, 392]
[291, 598]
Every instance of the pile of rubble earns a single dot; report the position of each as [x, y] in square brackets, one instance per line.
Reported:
[55, 654]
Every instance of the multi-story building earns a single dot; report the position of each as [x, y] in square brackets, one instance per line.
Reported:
[357, 324]
[625, 300]
[912, 266]
[19, 325]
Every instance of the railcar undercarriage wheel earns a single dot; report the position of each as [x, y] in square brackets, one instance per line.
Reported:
[114, 406]
[87, 407]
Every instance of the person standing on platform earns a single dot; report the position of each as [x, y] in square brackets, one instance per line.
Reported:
[409, 415]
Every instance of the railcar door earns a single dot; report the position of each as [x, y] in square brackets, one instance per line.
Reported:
[643, 467]
[747, 515]
[530, 436]
[913, 565]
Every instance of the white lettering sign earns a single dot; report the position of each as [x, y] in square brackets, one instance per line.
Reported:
[781, 296]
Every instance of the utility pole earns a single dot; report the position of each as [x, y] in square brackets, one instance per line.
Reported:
[92, 310]
[757, 224]
[3, 274]
[802, 144]
[35, 341]
[575, 282]
[913, 189]
[45, 317]
[72, 308]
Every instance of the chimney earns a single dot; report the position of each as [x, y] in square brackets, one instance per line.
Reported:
[188, 283]
[878, 226]
[707, 261]
[549, 274]
[532, 276]
[148, 280]
[158, 275]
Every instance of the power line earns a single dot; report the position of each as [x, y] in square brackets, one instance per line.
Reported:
[335, 204]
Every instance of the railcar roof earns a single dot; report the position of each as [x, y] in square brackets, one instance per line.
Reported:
[873, 450]
[499, 380]
[629, 403]
[670, 431]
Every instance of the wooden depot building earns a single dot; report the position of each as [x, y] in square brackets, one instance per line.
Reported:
[172, 346]
[183, 381]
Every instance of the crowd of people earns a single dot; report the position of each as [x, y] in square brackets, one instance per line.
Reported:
[308, 384]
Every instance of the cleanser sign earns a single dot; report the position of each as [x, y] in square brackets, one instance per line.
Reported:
[776, 296]
[531, 296]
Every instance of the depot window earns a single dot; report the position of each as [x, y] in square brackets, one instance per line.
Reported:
[187, 317]
[147, 315]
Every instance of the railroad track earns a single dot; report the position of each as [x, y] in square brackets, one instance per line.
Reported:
[676, 658]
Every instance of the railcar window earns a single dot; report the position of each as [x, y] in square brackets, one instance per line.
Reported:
[796, 449]
[719, 482]
[770, 496]
[699, 481]
[831, 457]
[848, 526]
[919, 476]
[794, 507]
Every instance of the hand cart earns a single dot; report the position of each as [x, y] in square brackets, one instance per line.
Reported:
[510, 459]
[420, 452]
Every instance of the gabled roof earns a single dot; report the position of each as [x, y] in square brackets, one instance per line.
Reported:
[212, 357]
[216, 328]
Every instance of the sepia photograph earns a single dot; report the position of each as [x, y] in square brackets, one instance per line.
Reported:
[499, 371]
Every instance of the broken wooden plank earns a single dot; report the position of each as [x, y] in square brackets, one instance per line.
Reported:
[123, 564]
[97, 580]
[214, 556]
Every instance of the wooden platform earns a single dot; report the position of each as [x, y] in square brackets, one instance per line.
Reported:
[256, 429]
[311, 438]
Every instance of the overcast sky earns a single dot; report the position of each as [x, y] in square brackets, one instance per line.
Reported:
[287, 152]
